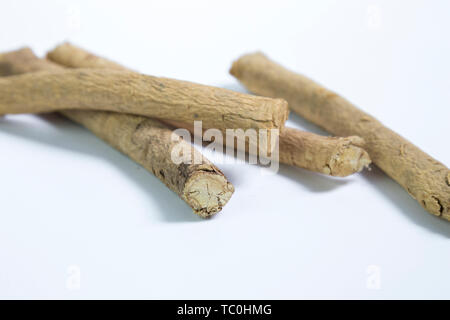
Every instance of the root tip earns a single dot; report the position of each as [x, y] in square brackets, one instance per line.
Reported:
[207, 193]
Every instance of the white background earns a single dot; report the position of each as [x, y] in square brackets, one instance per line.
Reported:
[72, 208]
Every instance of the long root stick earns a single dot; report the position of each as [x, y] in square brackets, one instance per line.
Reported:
[149, 142]
[424, 178]
[134, 93]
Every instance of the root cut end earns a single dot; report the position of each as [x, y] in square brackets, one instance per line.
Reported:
[347, 159]
[207, 192]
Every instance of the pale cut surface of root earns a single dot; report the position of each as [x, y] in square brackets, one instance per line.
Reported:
[207, 193]
[348, 158]
[335, 156]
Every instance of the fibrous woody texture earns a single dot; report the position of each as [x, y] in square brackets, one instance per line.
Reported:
[332, 156]
[426, 179]
[130, 92]
[149, 142]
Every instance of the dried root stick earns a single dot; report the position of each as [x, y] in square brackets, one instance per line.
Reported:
[426, 179]
[130, 92]
[71, 56]
[338, 157]
[332, 156]
[149, 142]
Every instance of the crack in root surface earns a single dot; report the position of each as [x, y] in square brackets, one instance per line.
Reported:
[441, 207]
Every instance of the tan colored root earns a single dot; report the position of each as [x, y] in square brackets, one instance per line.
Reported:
[332, 156]
[149, 142]
[74, 57]
[338, 157]
[425, 178]
[134, 93]
[130, 92]
[23, 61]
